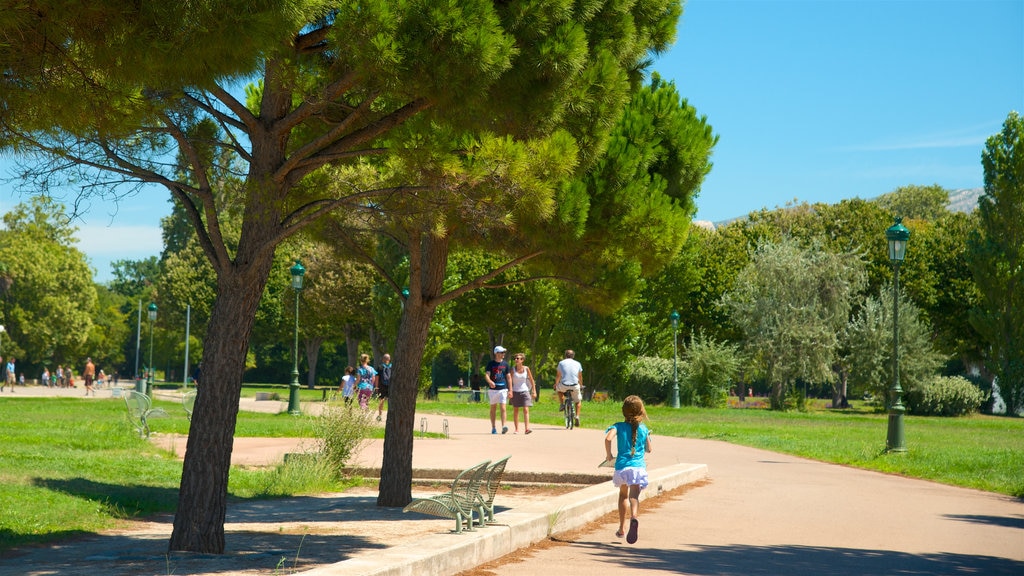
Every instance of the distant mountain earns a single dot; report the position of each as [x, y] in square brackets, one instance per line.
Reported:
[962, 200]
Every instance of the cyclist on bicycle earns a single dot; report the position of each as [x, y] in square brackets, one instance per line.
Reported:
[570, 379]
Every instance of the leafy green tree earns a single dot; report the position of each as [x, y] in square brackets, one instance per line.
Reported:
[791, 304]
[339, 84]
[869, 347]
[996, 256]
[948, 291]
[916, 202]
[50, 300]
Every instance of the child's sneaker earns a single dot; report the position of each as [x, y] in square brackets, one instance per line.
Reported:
[632, 535]
[494, 430]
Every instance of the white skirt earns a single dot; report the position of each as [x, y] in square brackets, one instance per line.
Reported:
[631, 476]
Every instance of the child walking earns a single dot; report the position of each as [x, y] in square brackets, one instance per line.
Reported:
[633, 442]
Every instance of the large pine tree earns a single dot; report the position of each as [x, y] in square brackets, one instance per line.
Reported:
[113, 92]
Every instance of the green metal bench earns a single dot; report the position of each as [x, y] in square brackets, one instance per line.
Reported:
[140, 410]
[489, 488]
[188, 403]
[460, 502]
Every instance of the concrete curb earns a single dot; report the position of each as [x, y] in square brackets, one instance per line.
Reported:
[444, 554]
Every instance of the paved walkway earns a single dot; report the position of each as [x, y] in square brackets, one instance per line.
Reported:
[758, 513]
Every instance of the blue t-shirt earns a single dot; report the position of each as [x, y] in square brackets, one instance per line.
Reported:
[366, 374]
[498, 371]
[623, 441]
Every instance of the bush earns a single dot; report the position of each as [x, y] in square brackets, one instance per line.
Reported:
[709, 369]
[340, 431]
[649, 378]
[946, 396]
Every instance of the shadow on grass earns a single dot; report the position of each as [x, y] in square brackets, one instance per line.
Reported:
[124, 500]
[773, 560]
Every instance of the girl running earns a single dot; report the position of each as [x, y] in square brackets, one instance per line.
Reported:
[633, 441]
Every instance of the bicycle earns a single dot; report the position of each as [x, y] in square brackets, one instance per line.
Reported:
[570, 411]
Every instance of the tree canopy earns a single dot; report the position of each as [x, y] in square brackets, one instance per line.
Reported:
[349, 108]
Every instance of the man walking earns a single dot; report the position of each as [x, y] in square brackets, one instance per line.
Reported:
[497, 377]
[89, 374]
[570, 380]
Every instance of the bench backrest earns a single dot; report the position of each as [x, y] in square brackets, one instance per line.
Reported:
[491, 480]
[467, 484]
[188, 402]
[138, 403]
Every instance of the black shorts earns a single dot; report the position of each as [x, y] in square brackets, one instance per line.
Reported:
[382, 391]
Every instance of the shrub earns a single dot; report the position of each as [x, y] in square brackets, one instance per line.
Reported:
[946, 396]
[649, 378]
[340, 431]
[709, 369]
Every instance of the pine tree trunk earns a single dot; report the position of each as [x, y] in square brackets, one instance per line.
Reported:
[428, 258]
[202, 497]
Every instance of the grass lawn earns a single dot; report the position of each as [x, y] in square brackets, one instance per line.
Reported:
[72, 466]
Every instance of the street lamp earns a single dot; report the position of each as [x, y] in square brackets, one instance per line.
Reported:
[293, 393]
[675, 358]
[897, 235]
[152, 320]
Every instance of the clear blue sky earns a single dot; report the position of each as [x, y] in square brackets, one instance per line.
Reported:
[821, 100]
[815, 100]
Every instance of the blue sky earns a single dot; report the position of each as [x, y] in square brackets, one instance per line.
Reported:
[821, 100]
[814, 100]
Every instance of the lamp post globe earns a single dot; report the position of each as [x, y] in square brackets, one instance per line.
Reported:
[897, 236]
[151, 310]
[674, 400]
[297, 272]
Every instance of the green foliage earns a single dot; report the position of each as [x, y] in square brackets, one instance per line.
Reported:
[709, 370]
[49, 299]
[792, 303]
[945, 396]
[650, 379]
[916, 202]
[341, 430]
[996, 256]
[869, 347]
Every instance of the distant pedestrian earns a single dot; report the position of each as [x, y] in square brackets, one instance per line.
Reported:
[367, 381]
[497, 376]
[383, 384]
[524, 392]
[348, 385]
[570, 381]
[89, 376]
[11, 373]
[633, 441]
[46, 377]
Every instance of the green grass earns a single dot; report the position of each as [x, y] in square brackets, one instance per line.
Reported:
[982, 452]
[71, 466]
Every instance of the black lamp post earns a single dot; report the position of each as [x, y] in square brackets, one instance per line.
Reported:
[897, 235]
[152, 320]
[675, 358]
[293, 393]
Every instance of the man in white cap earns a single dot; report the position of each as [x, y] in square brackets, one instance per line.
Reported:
[497, 377]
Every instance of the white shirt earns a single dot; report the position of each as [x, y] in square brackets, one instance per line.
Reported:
[521, 381]
[570, 371]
